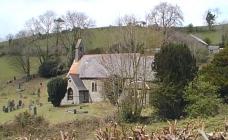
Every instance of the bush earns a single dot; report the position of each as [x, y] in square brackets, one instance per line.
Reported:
[25, 119]
[202, 99]
[50, 68]
[207, 40]
[57, 88]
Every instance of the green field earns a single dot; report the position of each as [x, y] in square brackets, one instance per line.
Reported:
[215, 36]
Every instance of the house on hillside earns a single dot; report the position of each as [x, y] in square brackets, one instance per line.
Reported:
[88, 72]
[211, 48]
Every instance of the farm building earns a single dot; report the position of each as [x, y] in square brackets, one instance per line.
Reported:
[88, 73]
[211, 48]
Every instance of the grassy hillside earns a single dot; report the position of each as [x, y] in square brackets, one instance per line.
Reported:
[105, 37]
[8, 69]
[215, 36]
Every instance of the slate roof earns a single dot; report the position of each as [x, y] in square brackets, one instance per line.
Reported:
[78, 82]
[104, 65]
[199, 39]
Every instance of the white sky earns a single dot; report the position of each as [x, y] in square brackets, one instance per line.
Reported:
[14, 13]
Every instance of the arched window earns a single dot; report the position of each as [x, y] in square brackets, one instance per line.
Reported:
[69, 94]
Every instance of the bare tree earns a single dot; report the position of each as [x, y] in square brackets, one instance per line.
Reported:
[22, 51]
[34, 29]
[10, 37]
[76, 22]
[127, 20]
[39, 28]
[165, 15]
[128, 68]
[46, 24]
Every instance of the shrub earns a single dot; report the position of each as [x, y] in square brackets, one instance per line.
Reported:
[50, 68]
[25, 119]
[202, 99]
[207, 40]
[57, 88]
[190, 28]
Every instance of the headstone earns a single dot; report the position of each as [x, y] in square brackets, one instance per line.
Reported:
[10, 109]
[19, 86]
[30, 107]
[75, 111]
[20, 102]
[38, 92]
[34, 110]
[12, 105]
[6, 110]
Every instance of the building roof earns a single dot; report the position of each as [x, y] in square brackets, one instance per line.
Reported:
[199, 39]
[78, 82]
[104, 65]
[74, 68]
[78, 43]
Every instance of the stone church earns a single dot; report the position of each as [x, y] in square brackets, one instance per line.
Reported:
[87, 73]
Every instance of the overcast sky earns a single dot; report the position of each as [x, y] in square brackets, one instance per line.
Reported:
[14, 13]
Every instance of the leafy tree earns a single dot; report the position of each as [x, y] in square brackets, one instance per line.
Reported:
[175, 67]
[175, 64]
[217, 73]
[211, 16]
[50, 68]
[190, 28]
[202, 98]
[57, 88]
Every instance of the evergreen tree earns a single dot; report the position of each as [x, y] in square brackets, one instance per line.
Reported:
[57, 88]
[175, 64]
[217, 73]
[175, 67]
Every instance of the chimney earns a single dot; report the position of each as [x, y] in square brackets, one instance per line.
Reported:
[79, 50]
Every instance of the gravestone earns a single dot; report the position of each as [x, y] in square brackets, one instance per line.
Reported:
[19, 86]
[6, 110]
[3, 108]
[34, 110]
[20, 102]
[38, 92]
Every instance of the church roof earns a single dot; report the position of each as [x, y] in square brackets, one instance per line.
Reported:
[104, 65]
[78, 82]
